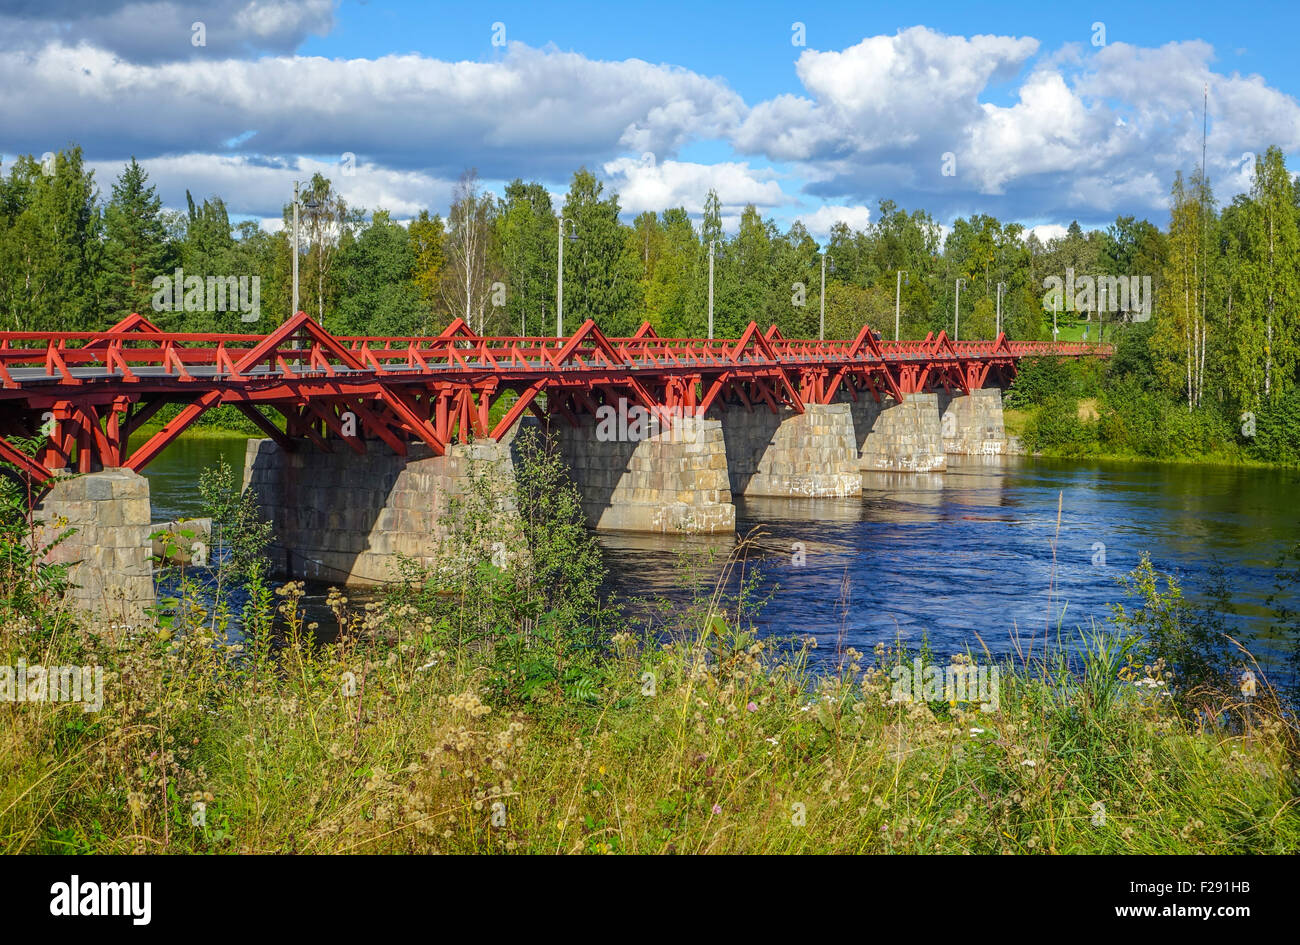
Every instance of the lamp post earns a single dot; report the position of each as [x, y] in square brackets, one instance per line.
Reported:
[898, 295]
[312, 204]
[956, 309]
[295, 251]
[572, 236]
[1001, 286]
[821, 330]
[712, 243]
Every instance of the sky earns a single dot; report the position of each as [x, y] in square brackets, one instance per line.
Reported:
[1039, 113]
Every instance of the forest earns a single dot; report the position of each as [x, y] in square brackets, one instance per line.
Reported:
[1206, 363]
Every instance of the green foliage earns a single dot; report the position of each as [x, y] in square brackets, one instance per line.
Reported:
[1039, 380]
[1056, 428]
[376, 276]
[236, 520]
[534, 579]
[1277, 430]
[29, 583]
[1192, 642]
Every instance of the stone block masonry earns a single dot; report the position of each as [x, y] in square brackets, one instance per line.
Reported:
[674, 482]
[348, 518]
[106, 517]
[805, 455]
[896, 437]
[972, 423]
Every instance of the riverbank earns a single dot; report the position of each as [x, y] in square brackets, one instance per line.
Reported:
[492, 705]
[396, 740]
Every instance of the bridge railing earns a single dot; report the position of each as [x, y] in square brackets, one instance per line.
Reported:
[303, 347]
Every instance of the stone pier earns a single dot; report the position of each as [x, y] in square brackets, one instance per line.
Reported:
[106, 518]
[673, 482]
[896, 437]
[346, 518]
[797, 455]
[972, 423]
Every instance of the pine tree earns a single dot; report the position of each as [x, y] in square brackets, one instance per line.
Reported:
[135, 245]
[600, 272]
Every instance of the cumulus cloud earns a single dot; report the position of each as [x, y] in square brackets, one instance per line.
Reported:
[534, 112]
[257, 187]
[1070, 133]
[165, 31]
[644, 184]
[820, 221]
[1088, 134]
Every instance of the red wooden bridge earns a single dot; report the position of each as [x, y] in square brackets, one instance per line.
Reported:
[86, 393]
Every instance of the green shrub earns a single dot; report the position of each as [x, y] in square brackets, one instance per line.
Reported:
[1056, 428]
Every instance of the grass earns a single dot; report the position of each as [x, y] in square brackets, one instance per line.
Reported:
[492, 704]
[709, 741]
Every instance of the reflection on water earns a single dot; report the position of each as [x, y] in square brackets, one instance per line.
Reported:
[959, 557]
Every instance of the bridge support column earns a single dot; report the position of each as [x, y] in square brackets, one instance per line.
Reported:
[108, 550]
[346, 518]
[672, 482]
[904, 437]
[972, 423]
[804, 455]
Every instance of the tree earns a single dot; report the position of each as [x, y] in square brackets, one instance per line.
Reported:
[469, 229]
[1182, 331]
[1270, 278]
[428, 238]
[600, 271]
[672, 292]
[50, 251]
[526, 233]
[135, 245]
[377, 292]
[328, 225]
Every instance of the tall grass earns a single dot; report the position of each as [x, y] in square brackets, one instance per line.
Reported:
[417, 731]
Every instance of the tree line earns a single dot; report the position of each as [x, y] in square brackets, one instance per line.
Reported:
[1222, 301]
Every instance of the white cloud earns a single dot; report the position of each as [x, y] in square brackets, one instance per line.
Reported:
[820, 221]
[1071, 133]
[657, 186]
[162, 30]
[252, 188]
[1089, 133]
[1046, 232]
[534, 112]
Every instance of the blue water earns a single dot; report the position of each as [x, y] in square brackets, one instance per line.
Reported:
[971, 557]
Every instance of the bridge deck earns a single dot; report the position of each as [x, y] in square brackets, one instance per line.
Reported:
[95, 388]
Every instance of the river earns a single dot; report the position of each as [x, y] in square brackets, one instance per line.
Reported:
[961, 558]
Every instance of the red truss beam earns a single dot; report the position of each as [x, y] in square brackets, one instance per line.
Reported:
[100, 387]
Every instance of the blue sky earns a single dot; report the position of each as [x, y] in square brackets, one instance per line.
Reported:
[1021, 111]
[749, 44]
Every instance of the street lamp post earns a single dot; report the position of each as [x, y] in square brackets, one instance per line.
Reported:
[295, 249]
[1001, 286]
[712, 243]
[956, 309]
[559, 275]
[821, 330]
[898, 295]
[821, 319]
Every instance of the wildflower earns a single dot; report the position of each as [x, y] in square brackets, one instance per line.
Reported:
[752, 707]
[771, 741]
[717, 808]
[976, 732]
